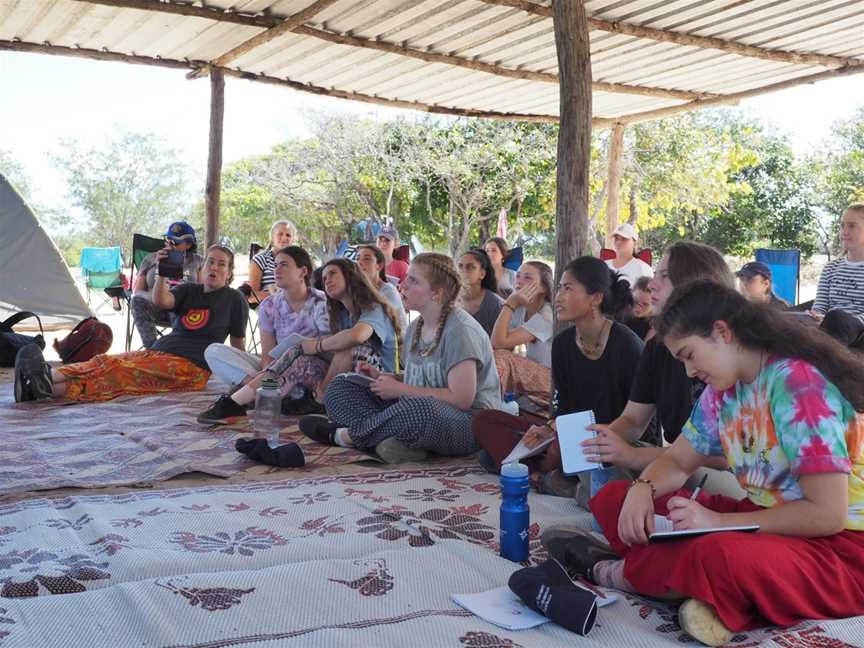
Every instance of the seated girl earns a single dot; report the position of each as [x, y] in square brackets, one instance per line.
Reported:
[785, 406]
[449, 376]
[593, 366]
[526, 319]
[639, 319]
[372, 262]
[479, 298]
[296, 310]
[364, 329]
[839, 304]
[205, 314]
[497, 250]
[756, 285]
[261, 277]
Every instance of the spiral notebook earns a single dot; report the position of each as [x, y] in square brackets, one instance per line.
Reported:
[571, 433]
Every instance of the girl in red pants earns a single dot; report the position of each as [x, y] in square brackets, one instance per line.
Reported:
[784, 405]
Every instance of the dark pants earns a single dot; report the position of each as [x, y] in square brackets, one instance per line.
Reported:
[845, 327]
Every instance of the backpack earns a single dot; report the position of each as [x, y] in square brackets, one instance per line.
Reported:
[90, 337]
[11, 342]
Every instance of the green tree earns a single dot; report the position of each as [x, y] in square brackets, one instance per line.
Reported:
[135, 182]
[15, 173]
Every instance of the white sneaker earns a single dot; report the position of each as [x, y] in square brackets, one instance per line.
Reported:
[511, 407]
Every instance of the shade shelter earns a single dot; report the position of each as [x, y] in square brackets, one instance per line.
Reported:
[594, 63]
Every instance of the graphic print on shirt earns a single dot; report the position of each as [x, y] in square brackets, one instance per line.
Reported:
[195, 319]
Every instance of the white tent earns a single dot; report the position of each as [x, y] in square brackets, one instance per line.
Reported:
[33, 275]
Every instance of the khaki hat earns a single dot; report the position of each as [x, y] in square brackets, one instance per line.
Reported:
[625, 230]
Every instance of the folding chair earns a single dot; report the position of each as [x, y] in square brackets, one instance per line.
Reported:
[785, 271]
[254, 248]
[101, 269]
[514, 258]
[141, 246]
[645, 254]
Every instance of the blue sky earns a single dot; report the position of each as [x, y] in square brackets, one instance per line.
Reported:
[46, 98]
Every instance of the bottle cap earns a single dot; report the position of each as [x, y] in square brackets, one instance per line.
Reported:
[269, 383]
[514, 469]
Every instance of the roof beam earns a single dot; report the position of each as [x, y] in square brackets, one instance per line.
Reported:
[702, 42]
[119, 57]
[660, 113]
[270, 23]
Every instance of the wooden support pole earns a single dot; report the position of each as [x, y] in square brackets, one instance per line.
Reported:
[213, 189]
[574, 135]
[613, 177]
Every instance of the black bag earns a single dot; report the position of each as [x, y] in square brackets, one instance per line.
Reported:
[11, 342]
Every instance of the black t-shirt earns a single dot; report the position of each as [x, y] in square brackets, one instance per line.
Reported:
[202, 319]
[602, 385]
[662, 381]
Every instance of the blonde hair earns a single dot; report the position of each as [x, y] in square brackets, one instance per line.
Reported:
[441, 273]
[855, 208]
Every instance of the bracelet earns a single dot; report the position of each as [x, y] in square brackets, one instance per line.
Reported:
[319, 345]
[645, 481]
[506, 305]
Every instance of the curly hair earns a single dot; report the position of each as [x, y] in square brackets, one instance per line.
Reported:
[441, 273]
[694, 308]
[362, 293]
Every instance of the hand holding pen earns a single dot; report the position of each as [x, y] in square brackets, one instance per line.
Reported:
[687, 513]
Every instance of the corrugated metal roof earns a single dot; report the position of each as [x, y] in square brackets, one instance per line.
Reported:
[510, 36]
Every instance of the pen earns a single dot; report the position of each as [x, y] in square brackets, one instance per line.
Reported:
[699, 487]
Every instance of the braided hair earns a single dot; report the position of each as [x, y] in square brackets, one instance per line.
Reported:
[441, 273]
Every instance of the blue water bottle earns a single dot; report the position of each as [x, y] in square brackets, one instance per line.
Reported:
[515, 518]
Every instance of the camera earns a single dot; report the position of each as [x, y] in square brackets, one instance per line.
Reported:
[171, 267]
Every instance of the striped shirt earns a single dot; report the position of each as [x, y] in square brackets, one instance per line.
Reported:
[267, 262]
[841, 286]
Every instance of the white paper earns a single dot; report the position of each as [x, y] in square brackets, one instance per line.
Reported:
[358, 379]
[292, 340]
[571, 433]
[501, 607]
[521, 451]
[664, 528]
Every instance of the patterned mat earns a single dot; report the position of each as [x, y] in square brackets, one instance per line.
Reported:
[365, 559]
[130, 440]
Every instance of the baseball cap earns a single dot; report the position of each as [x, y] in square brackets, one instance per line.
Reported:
[625, 230]
[750, 270]
[389, 232]
[180, 232]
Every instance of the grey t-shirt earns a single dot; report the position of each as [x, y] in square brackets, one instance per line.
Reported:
[540, 326]
[488, 311]
[462, 339]
[383, 339]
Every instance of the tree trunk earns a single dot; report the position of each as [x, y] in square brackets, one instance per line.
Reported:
[634, 211]
[214, 161]
[574, 134]
[613, 181]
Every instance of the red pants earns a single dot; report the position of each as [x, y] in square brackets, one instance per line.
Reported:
[751, 579]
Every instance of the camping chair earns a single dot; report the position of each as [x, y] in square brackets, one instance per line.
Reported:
[254, 248]
[514, 258]
[644, 254]
[101, 269]
[141, 246]
[785, 271]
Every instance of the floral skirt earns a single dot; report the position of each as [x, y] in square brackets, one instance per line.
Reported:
[524, 377]
[138, 372]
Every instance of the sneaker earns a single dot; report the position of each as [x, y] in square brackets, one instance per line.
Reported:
[301, 406]
[223, 412]
[700, 621]
[32, 375]
[558, 484]
[576, 550]
[393, 451]
[319, 428]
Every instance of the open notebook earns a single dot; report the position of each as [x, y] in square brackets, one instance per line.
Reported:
[664, 530]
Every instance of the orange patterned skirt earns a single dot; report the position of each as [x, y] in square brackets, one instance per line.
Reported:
[524, 377]
[138, 372]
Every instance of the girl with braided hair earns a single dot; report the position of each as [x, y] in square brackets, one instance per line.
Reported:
[449, 375]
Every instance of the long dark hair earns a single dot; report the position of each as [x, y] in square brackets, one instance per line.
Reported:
[596, 277]
[489, 282]
[380, 259]
[501, 244]
[691, 261]
[694, 308]
[362, 293]
[301, 260]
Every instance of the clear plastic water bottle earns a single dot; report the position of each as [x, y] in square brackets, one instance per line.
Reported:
[268, 412]
[515, 517]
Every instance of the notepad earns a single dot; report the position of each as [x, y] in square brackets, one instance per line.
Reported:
[665, 530]
[521, 451]
[571, 433]
[358, 379]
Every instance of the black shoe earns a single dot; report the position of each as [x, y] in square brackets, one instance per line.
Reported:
[319, 428]
[576, 550]
[224, 411]
[32, 375]
[301, 406]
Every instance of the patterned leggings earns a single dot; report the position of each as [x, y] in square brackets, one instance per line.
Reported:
[421, 422]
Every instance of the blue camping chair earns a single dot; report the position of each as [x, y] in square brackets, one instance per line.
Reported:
[785, 271]
[514, 258]
[101, 269]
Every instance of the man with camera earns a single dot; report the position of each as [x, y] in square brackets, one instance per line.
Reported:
[181, 265]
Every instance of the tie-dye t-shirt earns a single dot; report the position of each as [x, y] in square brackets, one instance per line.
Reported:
[789, 422]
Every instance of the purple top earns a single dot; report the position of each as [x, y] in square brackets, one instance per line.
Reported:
[276, 316]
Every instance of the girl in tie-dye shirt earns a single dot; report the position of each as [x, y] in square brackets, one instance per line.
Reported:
[785, 406]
